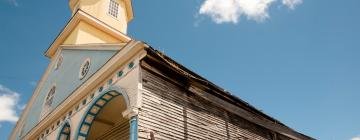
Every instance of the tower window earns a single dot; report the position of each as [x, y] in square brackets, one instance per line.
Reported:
[113, 8]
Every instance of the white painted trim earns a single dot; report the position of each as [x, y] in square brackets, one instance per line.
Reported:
[131, 50]
[34, 96]
[100, 47]
[82, 16]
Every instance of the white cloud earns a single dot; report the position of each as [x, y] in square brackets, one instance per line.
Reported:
[356, 138]
[230, 11]
[8, 104]
[11, 2]
[14, 2]
[291, 3]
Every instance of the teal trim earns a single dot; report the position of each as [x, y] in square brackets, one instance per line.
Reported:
[65, 130]
[110, 81]
[101, 89]
[94, 109]
[120, 73]
[131, 65]
[66, 79]
[134, 128]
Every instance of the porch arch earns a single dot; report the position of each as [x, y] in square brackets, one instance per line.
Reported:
[65, 131]
[104, 113]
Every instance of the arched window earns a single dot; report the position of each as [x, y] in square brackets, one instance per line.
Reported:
[50, 97]
[48, 101]
[65, 132]
[84, 69]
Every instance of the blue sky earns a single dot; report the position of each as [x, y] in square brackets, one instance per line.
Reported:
[297, 61]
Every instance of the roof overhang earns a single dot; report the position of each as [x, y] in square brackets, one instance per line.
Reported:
[173, 71]
[83, 16]
[126, 52]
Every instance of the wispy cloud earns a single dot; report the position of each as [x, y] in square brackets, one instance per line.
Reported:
[292, 3]
[12, 2]
[356, 138]
[8, 104]
[230, 11]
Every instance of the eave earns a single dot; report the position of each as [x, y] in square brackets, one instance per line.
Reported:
[131, 49]
[209, 91]
[83, 16]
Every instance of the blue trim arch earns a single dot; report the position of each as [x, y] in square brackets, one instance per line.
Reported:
[65, 132]
[95, 107]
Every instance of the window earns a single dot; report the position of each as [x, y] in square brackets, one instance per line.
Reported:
[48, 102]
[113, 8]
[50, 97]
[84, 69]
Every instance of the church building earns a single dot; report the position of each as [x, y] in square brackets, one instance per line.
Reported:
[101, 84]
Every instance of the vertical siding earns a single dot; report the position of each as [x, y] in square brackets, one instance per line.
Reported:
[170, 113]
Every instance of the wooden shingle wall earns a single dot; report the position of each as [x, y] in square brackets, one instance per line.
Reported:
[171, 112]
[118, 132]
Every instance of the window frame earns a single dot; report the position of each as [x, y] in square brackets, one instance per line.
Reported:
[48, 98]
[82, 75]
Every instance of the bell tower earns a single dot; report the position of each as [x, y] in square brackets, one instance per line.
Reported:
[115, 13]
[95, 22]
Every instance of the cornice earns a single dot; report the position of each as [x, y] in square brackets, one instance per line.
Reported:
[33, 97]
[83, 16]
[129, 51]
[97, 47]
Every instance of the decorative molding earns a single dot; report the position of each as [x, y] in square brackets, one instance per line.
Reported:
[121, 59]
[95, 46]
[65, 131]
[95, 107]
[83, 16]
[130, 112]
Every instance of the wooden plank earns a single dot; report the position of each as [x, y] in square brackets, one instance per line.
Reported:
[163, 113]
[163, 88]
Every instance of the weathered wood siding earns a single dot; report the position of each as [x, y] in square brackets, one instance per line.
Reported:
[120, 131]
[171, 112]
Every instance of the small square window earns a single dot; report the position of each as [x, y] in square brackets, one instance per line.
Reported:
[113, 8]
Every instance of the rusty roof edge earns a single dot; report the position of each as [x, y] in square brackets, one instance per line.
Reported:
[226, 93]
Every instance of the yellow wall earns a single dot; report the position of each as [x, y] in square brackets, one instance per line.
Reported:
[99, 9]
[86, 34]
